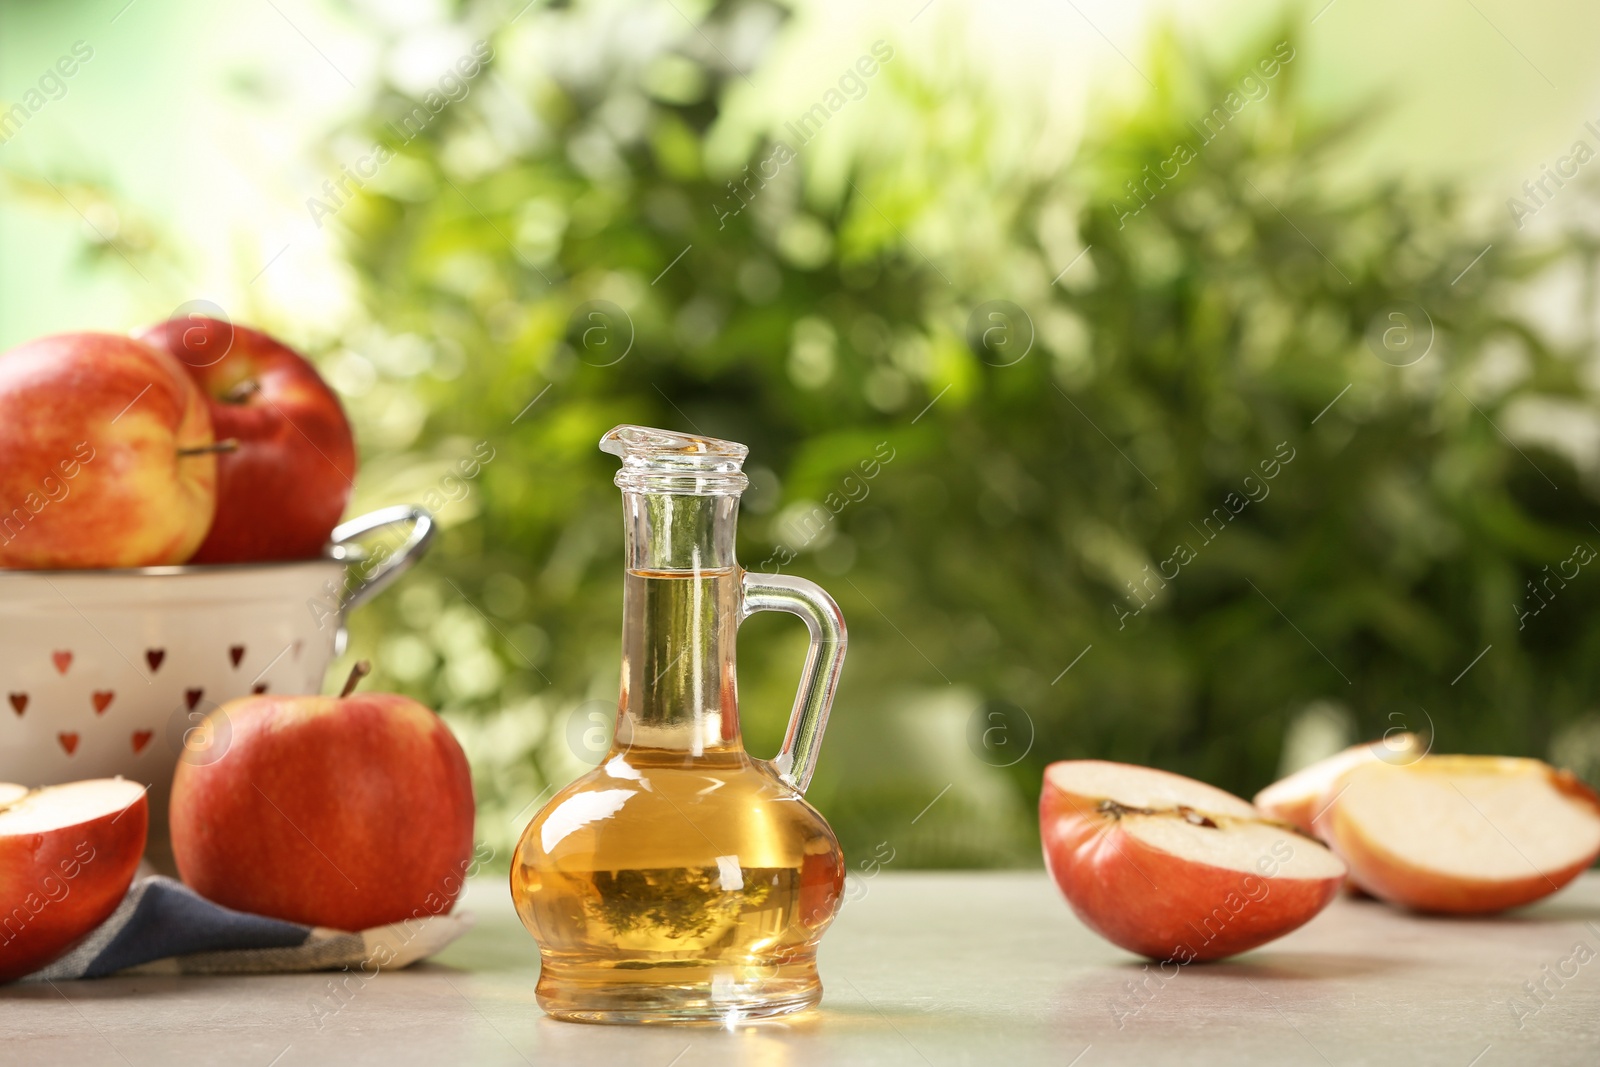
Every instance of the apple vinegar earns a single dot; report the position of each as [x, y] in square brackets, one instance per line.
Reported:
[683, 880]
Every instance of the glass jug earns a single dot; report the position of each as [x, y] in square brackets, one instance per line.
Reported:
[682, 880]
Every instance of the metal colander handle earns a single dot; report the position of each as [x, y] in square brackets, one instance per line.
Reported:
[376, 570]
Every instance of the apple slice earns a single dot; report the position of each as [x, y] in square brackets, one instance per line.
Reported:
[67, 856]
[1294, 799]
[10, 792]
[1175, 869]
[1464, 835]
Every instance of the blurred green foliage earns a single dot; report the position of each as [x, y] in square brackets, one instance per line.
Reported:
[1199, 376]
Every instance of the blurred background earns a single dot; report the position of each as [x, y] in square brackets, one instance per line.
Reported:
[1207, 385]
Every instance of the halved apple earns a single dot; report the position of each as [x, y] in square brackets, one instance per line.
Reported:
[1294, 799]
[1462, 834]
[1175, 869]
[67, 856]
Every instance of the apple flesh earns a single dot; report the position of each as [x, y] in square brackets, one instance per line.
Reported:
[96, 461]
[1295, 798]
[1172, 868]
[67, 856]
[346, 812]
[1462, 835]
[284, 488]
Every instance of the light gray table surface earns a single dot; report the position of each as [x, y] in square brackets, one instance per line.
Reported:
[924, 970]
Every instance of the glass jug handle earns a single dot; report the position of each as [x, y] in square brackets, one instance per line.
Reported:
[797, 759]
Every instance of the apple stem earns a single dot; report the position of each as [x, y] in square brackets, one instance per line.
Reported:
[242, 392]
[358, 672]
[227, 444]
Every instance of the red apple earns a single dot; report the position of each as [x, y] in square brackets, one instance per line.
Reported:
[94, 463]
[283, 490]
[67, 856]
[348, 812]
[1463, 835]
[1175, 869]
[1294, 799]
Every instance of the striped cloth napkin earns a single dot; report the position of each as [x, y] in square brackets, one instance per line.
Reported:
[164, 927]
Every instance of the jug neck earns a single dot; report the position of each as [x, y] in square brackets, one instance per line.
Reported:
[681, 612]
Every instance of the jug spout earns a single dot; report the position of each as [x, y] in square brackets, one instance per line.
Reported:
[665, 461]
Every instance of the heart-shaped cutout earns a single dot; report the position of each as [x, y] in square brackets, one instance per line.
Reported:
[154, 656]
[69, 741]
[236, 653]
[102, 699]
[19, 702]
[141, 738]
[192, 697]
[62, 660]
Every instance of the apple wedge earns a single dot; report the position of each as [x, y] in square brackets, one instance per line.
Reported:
[1463, 835]
[1175, 869]
[67, 855]
[1294, 799]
